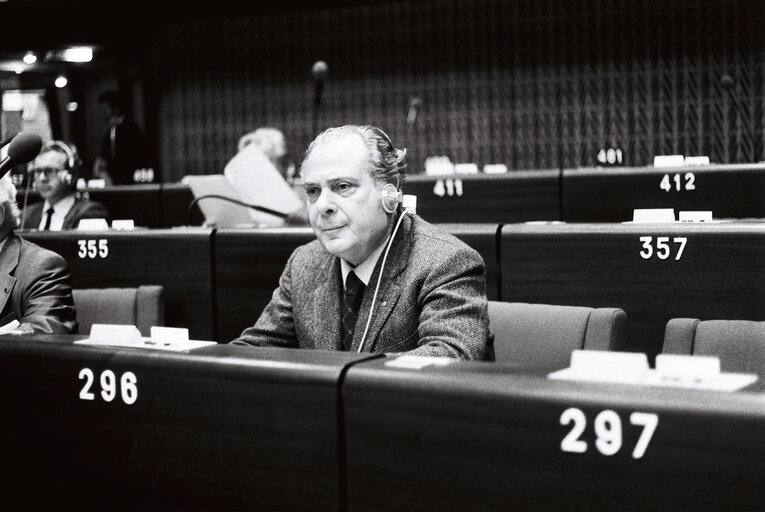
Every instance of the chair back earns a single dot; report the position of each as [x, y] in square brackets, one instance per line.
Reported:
[143, 307]
[542, 336]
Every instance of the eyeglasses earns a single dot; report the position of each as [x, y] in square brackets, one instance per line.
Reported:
[49, 172]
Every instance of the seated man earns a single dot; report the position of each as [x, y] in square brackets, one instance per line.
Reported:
[412, 287]
[35, 284]
[56, 170]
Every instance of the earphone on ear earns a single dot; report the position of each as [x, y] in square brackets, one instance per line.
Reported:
[390, 197]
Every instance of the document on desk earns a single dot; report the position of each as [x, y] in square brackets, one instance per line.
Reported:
[147, 343]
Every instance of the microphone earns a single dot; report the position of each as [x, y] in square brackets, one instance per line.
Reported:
[414, 107]
[24, 147]
[319, 73]
[235, 201]
[5, 141]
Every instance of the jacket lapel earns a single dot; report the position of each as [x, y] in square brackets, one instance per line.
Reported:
[389, 291]
[325, 321]
[9, 259]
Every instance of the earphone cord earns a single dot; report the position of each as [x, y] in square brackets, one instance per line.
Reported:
[379, 279]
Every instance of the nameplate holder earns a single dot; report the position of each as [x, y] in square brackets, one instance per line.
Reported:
[123, 224]
[649, 215]
[696, 160]
[495, 169]
[604, 366]
[168, 335]
[93, 225]
[97, 183]
[695, 216]
[465, 168]
[677, 367]
[418, 362]
[669, 161]
[111, 334]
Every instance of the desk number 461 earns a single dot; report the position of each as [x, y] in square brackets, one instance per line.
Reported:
[608, 431]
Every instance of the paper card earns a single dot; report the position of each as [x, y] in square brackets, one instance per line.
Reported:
[123, 224]
[495, 169]
[115, 333]
[699, 216]
[669, 161]
[93, 225]
[418, 362]
[648, 215]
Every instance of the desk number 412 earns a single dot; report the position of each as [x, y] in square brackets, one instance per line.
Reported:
[608, 431]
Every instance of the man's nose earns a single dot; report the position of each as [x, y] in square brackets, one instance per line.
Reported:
[325, 203]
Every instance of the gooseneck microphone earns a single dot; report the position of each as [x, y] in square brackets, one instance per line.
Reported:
[241, 203]
[319, 72]
[23, 148]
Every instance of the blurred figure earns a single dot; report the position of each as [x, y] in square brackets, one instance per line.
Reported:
[123, 148]
[35, 283]
[272, 144]
[56, 170]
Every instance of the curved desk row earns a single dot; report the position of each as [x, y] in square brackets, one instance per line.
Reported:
[570, 195]
[218, 281]
[237, 428]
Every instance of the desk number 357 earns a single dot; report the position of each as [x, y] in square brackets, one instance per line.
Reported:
[608, 431]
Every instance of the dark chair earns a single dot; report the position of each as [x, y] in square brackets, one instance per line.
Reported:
[739, 344]
[542, 336]
[143, 307]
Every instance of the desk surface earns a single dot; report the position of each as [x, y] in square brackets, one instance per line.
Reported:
[178, 259]
[476, 436]
[221, 428]
[653, 271]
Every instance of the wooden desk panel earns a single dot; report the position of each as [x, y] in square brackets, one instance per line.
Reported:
[137, 202]
[175, 201]
[178, 259]
[476, 436]
[220, 428]
[610, 195]
[517, 196]
[719, 274]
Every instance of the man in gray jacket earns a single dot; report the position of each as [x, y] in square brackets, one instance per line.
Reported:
[378, 278]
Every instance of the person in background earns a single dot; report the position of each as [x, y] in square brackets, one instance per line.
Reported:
[273, 145]
[56, 170]
[123, 147]
[431, 299]
[35, 283]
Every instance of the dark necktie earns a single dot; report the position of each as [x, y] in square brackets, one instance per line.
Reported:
[354, 292]
[48, 215]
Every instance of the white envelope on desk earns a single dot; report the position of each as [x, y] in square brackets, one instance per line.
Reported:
[259, 183]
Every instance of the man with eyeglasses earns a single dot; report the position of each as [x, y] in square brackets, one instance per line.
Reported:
[56, 170]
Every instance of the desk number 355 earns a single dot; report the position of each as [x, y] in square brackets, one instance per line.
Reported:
[608, 431]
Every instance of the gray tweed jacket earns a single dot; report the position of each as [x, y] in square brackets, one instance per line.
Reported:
[431, 301]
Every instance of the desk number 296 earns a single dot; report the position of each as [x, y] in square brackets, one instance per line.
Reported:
[608, 431]
[128, 386]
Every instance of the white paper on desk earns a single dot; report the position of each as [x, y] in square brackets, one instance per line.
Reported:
[147, 343]
[259, 183]
[12, 327]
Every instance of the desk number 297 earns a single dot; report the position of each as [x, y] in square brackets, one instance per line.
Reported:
[608, 431]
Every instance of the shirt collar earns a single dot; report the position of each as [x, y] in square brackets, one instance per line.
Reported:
[364, 269]
[62, 206]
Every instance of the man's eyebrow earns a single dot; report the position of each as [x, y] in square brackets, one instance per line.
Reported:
[332, 181]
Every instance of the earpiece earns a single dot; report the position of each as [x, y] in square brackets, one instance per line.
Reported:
[71, 160]
[390, 197]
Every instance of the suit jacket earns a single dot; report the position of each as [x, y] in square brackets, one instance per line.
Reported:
[35, 288]
[81, 209]
[431, 300]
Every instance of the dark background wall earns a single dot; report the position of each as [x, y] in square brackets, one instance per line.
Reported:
[531, 83]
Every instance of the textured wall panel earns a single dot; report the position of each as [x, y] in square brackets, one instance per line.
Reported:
[530, 83]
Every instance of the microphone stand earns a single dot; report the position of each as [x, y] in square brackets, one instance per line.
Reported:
[242, 203]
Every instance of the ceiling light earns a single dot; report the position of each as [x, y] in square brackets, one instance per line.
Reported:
[77, 54]
[30, 58]
[61, 81]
